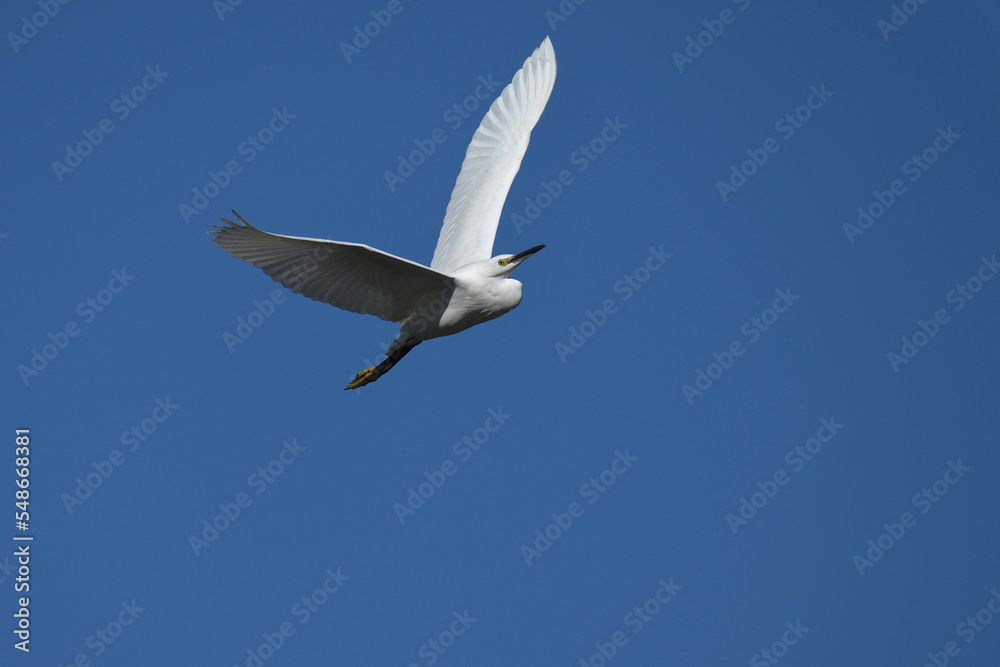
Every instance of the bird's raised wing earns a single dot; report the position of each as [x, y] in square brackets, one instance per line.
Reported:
[351, 276]
[491, 161]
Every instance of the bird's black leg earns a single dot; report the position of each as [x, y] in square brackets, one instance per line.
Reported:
[373, 373]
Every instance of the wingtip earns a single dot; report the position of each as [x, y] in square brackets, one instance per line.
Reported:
[547, 49]
[229, 226]
[240, 218]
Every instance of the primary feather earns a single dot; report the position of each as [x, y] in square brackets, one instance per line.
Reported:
[491, 162]
[351, 276]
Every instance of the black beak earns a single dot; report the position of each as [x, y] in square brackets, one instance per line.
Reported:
[521, 256]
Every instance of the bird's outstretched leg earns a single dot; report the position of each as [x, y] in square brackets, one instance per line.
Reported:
[396, 352]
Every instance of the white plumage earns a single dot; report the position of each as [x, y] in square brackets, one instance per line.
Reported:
[463, 286]
[491, 162]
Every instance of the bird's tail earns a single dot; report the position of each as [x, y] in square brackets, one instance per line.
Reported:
[396, 352]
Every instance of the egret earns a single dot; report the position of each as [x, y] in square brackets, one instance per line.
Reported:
[463, 286]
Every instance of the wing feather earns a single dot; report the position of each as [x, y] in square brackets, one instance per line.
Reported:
[351, 276]
[491, 162]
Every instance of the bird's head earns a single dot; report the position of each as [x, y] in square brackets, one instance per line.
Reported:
[502, 265]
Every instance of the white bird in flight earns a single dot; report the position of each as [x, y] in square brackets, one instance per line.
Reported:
[464, 286]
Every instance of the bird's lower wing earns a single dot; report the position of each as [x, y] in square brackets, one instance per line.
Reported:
[491, 162]
[351, 276]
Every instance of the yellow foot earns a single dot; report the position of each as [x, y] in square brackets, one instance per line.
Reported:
[364, 377]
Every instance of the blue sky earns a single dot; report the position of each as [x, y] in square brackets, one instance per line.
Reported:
[744, 414]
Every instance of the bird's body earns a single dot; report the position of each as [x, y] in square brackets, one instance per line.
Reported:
[479, 295]
[463, 286]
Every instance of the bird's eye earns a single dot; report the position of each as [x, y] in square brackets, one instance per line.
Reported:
[502, 262]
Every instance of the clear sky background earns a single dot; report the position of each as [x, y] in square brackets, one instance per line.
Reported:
[602, 508]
